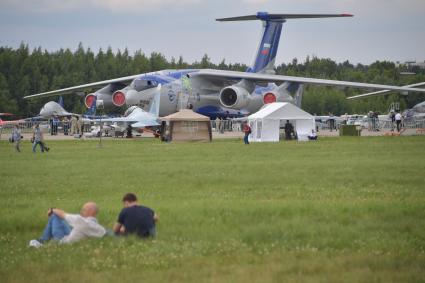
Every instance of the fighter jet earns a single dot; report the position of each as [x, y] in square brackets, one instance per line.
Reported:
[217, 92]
[416, 112]
[137, 117]
[53, 108]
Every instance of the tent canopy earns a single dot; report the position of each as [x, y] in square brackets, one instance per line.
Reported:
[267, 122]
[281, 111]
[187, 125]
[186, 115]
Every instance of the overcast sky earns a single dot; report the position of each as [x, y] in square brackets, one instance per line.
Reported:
[380, 29]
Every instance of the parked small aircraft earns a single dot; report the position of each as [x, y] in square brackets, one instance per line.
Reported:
[137, 117]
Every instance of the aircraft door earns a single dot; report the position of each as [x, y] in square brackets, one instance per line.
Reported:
[184, 93]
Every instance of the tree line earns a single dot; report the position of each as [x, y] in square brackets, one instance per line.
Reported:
[24, 72]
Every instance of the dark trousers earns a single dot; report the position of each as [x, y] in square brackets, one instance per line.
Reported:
[245, 138]
[34, 145]
[398, 125]
[288, 135]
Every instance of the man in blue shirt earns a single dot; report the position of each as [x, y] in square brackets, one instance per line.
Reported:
[135, 219]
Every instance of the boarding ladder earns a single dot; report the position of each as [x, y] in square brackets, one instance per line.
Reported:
[395, 106]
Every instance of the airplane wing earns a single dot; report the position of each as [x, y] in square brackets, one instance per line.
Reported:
[144, 124]
[117, 119]
[380, 92]
[136, 123]
[266, 78]
[74, 89]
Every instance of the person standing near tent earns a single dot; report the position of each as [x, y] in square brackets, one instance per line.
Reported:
[288, 130]
[247, 132]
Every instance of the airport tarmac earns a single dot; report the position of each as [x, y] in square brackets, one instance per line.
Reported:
[216, 135]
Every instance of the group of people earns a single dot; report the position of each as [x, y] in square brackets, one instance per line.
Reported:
[73, 126]
[54, 125]
[77, 126]
[373, 120]
[37, 139]
[65, 228]
[220, 125]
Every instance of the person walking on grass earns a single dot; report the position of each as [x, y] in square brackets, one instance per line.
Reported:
[37, 139]
[247, 131]
[66, 228]
[16, 138]
[135, 219]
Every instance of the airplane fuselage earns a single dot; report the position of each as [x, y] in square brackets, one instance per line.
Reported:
[179, 90]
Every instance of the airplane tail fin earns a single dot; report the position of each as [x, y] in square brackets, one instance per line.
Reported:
[60, 101]
[154, 108]
[272, 28]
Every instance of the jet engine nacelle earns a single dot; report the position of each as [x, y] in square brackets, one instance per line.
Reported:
[123, 96]
[270, 97]
[104, 97]
[235, 97]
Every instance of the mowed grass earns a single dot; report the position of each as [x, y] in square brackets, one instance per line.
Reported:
[336, 210]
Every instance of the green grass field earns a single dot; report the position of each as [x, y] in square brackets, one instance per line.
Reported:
[336, 210]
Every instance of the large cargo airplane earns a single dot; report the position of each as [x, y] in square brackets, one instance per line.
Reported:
[216, 93]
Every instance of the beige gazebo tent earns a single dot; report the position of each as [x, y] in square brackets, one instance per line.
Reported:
[187, 125]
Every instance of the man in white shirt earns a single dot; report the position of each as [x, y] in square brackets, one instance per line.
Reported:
[70, 228]
[398, 121]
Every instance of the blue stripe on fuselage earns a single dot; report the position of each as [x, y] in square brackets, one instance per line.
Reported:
[165, 77]
[214, 111]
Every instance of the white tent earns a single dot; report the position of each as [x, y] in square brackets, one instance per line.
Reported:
[266, 123]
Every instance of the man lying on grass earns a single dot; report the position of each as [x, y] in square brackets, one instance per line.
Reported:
[135, 219]
[69, 228]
